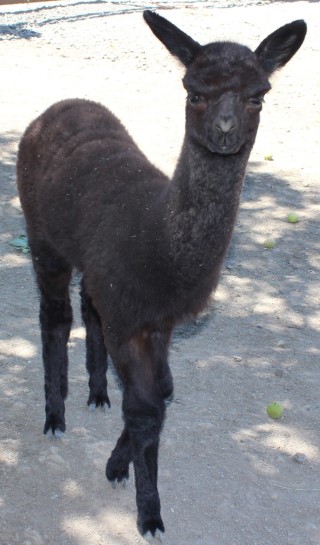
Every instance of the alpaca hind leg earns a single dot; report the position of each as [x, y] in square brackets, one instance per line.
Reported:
[97, 357]
[53, 276]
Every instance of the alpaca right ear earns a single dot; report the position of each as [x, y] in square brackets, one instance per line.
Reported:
[176, 41]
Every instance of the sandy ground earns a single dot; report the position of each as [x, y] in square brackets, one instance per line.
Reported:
[229, 475]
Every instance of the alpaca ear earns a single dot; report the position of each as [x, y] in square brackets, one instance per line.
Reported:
[278, 48]
[176, 41]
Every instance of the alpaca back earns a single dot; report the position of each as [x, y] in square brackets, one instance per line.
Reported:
[83, 182]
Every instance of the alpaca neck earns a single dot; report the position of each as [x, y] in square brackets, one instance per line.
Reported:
[202, 209]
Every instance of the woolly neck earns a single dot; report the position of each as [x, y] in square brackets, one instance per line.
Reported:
[202, 208]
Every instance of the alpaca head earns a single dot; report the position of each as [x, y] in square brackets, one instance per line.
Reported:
[226, 82]
[225, 88]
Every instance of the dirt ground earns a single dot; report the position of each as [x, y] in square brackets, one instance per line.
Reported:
[229, 475]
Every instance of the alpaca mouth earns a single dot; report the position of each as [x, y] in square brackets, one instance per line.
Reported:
[227, 150]
[224, 149]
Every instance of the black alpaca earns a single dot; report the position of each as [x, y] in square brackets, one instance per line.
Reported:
[150, 249]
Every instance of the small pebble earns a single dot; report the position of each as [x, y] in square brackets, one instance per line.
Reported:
[55, 459]
[300, 458]
[79, 431]
[237, 359]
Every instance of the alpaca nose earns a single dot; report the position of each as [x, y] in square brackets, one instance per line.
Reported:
[226, 124]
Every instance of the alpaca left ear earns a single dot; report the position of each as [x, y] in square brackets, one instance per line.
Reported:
[278, 48]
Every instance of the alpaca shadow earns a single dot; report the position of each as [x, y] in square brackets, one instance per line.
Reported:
[289, 267]
[289, 270]
[17, 31]
[194, 327]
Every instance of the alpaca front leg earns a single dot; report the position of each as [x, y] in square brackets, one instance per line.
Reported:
[144, 420]
[149, 520]
[96, 357]
[141, 364]
[117, 470]
[139, 442]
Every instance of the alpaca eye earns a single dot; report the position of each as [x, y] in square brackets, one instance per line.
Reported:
[195, 99]
[256, 101]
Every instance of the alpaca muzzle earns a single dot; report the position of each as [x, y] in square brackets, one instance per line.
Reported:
[225, 135]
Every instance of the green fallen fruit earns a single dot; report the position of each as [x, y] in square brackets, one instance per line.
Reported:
[269, 243]
[292, 217]
[275, 410]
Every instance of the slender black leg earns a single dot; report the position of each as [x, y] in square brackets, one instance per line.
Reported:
[144, 421]
[97, 358]
[53, 275]
[144, 371]
[117, 469]
[55, 320]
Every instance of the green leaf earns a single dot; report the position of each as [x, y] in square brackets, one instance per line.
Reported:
[21, 243]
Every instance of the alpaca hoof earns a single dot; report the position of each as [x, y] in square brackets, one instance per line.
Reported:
[158, 537]
[168, 400]
[93, 406]
[123, 482]
[95, 401]
[152, 529]
[56, 434]
[54, 426]
[117, 472]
